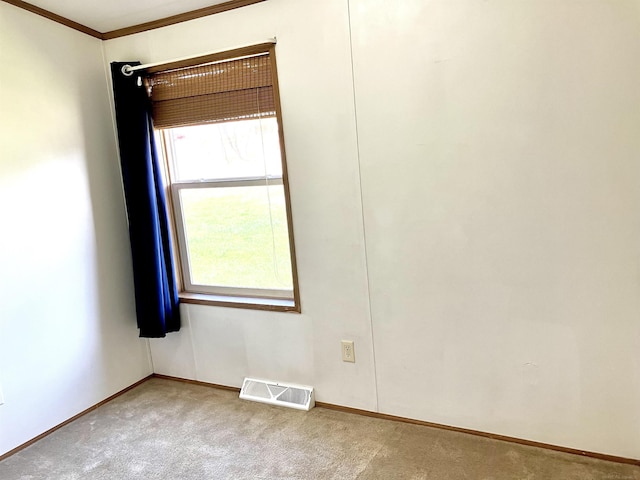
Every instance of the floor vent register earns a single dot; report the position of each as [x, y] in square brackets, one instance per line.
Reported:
[276, 393]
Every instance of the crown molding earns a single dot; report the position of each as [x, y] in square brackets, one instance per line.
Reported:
[143, 27]
[56, 18]
[182, 17]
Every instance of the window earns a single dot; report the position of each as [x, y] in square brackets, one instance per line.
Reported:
[219, 124]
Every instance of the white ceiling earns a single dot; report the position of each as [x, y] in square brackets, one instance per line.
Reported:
[107, 15]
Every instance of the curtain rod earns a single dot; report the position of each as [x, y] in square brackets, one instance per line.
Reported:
[128, 70]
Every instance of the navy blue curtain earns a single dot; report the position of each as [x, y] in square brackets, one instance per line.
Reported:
[151, 252]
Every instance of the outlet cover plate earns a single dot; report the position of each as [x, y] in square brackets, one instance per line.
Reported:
[348, 353]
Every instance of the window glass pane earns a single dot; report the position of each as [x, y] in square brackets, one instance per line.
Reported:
[247, 148]
[237, 236]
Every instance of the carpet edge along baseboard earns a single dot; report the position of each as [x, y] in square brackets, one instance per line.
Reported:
[75, 417]
[355, 411]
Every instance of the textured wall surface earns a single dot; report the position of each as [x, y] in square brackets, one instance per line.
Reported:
[68, 336]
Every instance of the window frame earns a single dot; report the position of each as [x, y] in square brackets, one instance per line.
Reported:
[176, 188]
[250, 298]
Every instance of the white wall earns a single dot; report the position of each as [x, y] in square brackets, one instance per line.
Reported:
[68, 336]
[500, 184]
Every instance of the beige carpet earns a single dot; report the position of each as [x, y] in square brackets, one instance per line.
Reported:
[170, 430]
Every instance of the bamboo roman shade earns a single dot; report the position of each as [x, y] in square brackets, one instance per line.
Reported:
[210, 93]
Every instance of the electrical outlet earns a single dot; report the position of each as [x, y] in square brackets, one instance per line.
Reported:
[348, 353]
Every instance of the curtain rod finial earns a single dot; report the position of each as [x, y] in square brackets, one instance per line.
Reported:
[126, 70]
